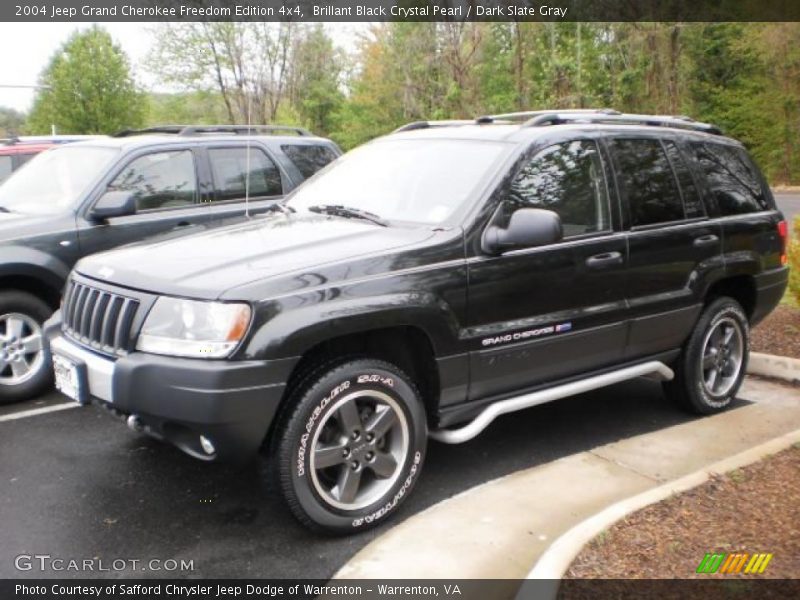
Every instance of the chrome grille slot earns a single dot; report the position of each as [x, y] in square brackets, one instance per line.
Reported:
[98, 318]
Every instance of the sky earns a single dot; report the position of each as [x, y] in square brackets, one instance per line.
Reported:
[26, 48]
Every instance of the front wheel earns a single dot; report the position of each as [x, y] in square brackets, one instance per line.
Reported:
[352, 446]
[712, 366]
[24, 366]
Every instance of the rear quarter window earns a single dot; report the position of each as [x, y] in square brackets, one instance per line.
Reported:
[309, 158]
[733, 180]
[5, 167]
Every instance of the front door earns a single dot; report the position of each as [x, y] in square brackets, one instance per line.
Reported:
[167, 199]
[542, 314]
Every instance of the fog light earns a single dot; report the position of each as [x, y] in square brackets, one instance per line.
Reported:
[207, 446]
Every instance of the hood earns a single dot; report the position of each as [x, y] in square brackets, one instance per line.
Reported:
[206, 264]
[19, 226]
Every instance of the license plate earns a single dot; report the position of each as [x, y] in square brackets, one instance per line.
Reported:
[68, 379]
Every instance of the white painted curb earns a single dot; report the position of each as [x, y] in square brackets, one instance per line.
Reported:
[777, 367]
[559, 556]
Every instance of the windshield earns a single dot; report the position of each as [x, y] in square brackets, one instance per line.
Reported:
[54, 180]
[423, 181]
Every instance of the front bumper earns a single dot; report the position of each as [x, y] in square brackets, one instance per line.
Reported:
[231, 403]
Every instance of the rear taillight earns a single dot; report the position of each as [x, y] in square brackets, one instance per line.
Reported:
[783, 234]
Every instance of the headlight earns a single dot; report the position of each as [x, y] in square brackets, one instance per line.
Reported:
[198, 329]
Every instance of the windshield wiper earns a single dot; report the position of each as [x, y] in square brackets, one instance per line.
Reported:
[280, 207]
[4, 209]
[339, 210]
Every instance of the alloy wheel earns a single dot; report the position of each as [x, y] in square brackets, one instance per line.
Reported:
[21, 351]
[358, 451]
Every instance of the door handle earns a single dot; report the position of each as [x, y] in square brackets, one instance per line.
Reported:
[705, 240]
[605, 260]
[182, 224]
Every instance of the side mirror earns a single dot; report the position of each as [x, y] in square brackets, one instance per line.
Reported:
[114, 204]
[527, 228]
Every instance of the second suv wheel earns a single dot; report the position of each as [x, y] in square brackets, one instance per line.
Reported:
[352, 445]
[24, 366]
[712, 366]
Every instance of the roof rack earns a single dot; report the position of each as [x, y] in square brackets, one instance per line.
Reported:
[190, 130]
[617, 118]
[530, 114]
[429, 124]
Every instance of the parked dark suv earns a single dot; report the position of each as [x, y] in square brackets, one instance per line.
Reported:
[424, 284]
[94, 195]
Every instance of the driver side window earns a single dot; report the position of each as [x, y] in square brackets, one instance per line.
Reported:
[568, 179]
[159, 181]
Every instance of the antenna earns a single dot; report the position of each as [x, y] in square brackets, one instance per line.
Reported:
[247, 160]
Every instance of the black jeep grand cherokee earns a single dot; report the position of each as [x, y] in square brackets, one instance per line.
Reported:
[426, 283]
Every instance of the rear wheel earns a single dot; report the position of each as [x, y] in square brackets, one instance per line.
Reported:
[24, 366]
[352, 446]
[712, 366]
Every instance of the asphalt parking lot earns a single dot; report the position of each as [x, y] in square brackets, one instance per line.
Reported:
[78, 484]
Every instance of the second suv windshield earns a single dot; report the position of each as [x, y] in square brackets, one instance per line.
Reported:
[422, 181]
[54, 180]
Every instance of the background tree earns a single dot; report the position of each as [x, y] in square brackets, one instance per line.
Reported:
[246, 63]
[90, 88]
[11, 122]
[315, 71]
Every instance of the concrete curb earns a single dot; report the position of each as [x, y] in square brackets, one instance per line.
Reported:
[776, 367]
[559, 556]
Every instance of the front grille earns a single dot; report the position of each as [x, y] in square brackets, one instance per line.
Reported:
[98, 318]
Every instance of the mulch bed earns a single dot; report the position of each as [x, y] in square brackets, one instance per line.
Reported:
[753, 509]
[779, 333]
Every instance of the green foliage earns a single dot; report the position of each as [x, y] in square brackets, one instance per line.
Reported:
[315, 79]
[794, 263]
[90, 88]
[743, 76]
[204, 108]
[11, 122]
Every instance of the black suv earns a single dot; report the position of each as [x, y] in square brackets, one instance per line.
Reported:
[424, 284]
[94, 195]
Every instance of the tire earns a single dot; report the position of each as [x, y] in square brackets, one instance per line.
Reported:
[365, 419]
[712, 365]
[24, 365]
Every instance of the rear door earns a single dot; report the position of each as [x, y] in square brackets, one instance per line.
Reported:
[244, 179]
[673, 246]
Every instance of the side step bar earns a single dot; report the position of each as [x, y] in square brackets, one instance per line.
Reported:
[482, 421]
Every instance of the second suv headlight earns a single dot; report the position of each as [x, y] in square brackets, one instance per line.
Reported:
[198, 329]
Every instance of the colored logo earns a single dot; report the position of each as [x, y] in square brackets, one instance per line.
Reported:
[731, 564]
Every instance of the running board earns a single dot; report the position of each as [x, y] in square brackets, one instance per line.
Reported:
[482, 421]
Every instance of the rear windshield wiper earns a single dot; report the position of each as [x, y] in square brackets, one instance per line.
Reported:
[348, 212]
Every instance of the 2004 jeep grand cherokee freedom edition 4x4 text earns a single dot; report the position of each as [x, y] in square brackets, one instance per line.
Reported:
[426, 283]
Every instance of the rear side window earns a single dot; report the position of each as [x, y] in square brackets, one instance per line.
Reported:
[732, 178]
[232, 167]
[692, 202]
[5, 167]
[568, 179]
[160, 180]
[309, 159]
[646, 180]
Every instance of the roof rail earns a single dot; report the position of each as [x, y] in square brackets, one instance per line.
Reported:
[530, 114]
[678, 122]
[190, 130]
[428, 124]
